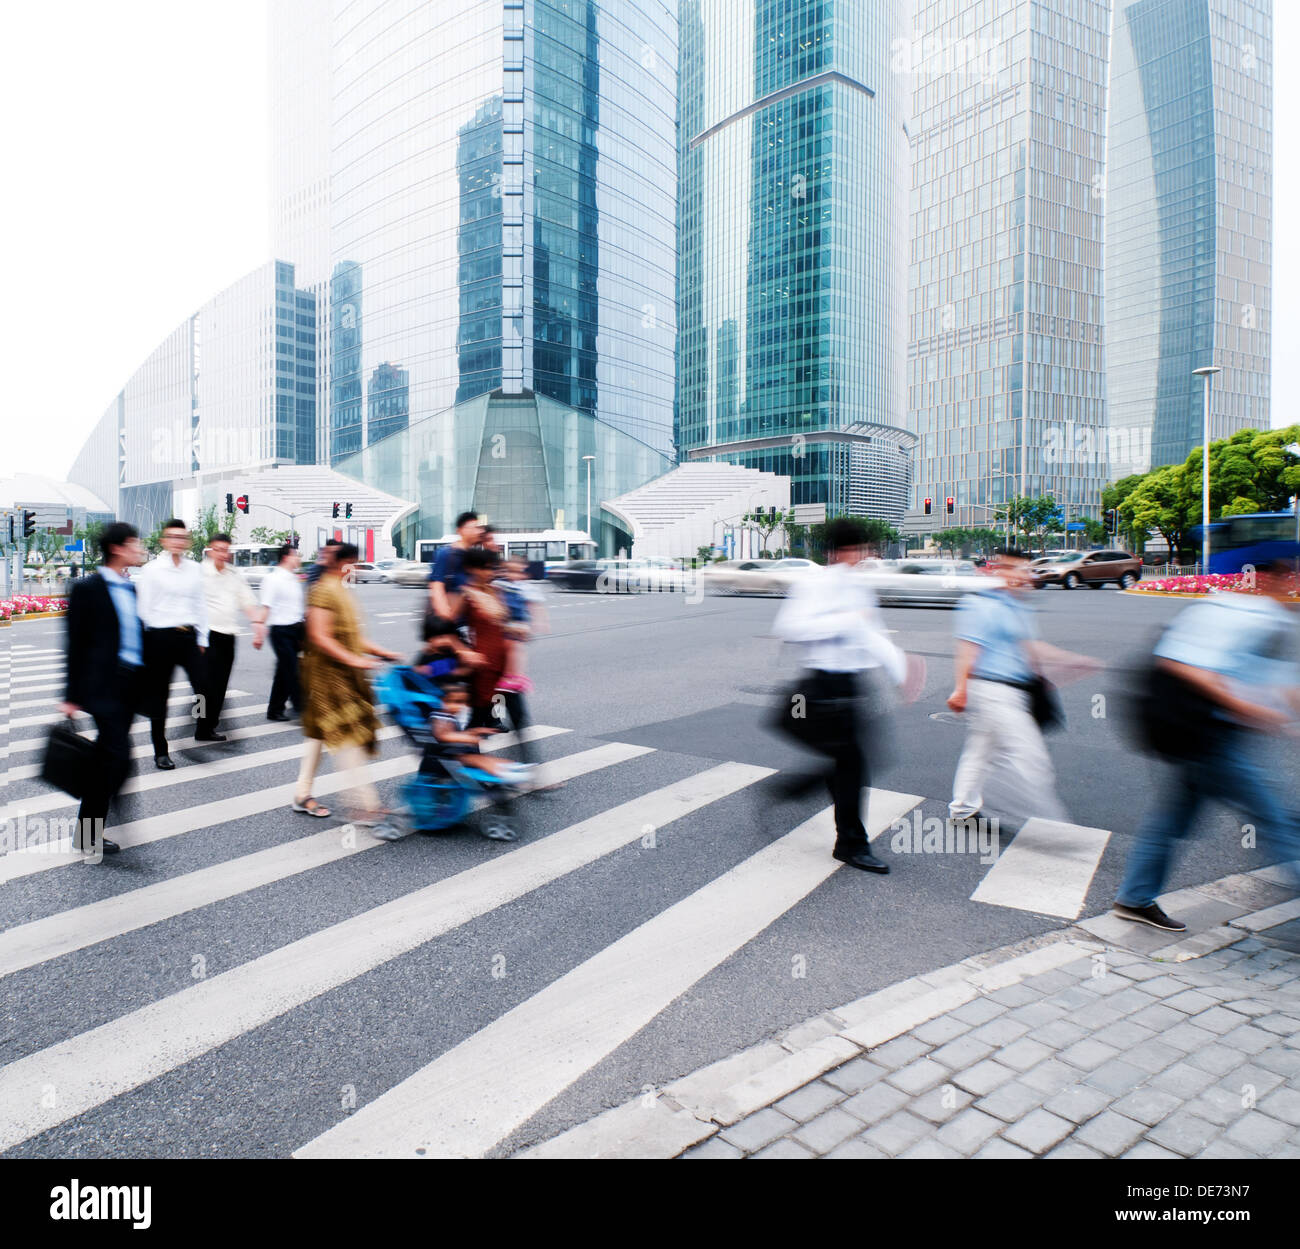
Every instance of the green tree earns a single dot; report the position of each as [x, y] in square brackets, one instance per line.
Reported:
[209, 525]
[268, 536]
[812, 538]
[1115, 496]
[1093, 530]
[1030, 516]
[767, 523]
[1161, 503]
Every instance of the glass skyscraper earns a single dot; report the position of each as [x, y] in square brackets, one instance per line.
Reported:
[1007, 370]
[793, 159]
[1189, 224]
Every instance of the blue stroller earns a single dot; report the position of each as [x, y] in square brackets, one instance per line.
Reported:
[443, 792]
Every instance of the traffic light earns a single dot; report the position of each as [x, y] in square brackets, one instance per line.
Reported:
[348, 512]
[951, 504]
[929, 507]
[29, 524]
[336, 511]
[1112, 521]
[230, 504]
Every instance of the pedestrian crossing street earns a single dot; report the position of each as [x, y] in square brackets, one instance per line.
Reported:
[215, 839]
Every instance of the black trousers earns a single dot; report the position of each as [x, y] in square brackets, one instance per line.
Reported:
[286, 642]
[834, 730]
[220, 660]
[112, 753]
[516, 711]
[165, 650]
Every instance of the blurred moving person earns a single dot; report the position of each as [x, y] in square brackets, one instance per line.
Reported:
[999, 662]
[105, 666]
[1223, 680]
[227, 594]
[322, 561]
[338, 711]
[283, 604]
[447, 577]
[174, 611]
[835, 621]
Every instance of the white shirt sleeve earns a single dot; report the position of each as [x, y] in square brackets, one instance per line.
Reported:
[144, 594]
[804, 616]
[201, 609]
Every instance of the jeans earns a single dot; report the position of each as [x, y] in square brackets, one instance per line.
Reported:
[1232, 773]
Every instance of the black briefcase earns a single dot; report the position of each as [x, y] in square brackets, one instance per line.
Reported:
[69, 760]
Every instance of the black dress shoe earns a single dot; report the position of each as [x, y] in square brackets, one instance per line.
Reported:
[278, 716]
[209, 737]
[108, 847]
[163, 763]
[864, 860]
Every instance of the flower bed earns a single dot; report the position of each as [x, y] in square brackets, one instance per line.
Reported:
[1216, 583]
[30, 605]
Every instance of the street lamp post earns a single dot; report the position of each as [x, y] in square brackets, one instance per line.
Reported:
[589, 459]
[1206, 373]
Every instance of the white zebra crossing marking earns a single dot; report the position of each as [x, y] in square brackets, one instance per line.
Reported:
[44, 939]
[59, 686]
[37, 721]
[457, 1107]
[142, 726]
[158, 1038]
[1047, 868]
[165, 780]
[27, 771]
[189, 819]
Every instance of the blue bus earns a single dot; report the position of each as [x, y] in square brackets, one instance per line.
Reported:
[1238, 541]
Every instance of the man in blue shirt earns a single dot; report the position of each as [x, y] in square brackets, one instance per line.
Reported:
[999, 658]
[447, 578]
[105, 657]
[1233, 655]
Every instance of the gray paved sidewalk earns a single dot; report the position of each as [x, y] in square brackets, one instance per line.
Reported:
[1072, 1046]
[1112, 1055]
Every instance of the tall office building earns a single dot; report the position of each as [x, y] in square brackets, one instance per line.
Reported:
[1006, 365]
[1189, 224]
[793, 160]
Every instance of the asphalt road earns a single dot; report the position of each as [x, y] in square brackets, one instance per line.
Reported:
[688, 684]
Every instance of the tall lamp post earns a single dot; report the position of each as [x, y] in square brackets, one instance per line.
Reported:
[589, 459]
[1207, 374]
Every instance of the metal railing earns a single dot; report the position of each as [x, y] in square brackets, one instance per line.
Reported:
[1161, 571]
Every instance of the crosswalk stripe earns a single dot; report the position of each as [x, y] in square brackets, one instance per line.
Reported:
[37, 721]
[165, 780]
[448, 1109]
[142, 832]
[142, 726]
[59, 685]
[56, 935]
[1047, 869]
[27, 771]
[35, 672]
[152, 1040]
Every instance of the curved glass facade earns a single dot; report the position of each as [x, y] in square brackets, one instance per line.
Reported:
[517, 460]
[1189, 211]
[503, 187]
[793, 169]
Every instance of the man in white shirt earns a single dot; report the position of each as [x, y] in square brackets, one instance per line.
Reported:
[284, 606]
[833, 617]
[227, 595]
[174, 613]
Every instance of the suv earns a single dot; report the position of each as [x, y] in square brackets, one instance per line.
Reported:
[1093, 568]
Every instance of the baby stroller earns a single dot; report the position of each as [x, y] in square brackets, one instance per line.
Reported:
[443, 792]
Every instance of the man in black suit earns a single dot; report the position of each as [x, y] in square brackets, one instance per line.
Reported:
[104, 667]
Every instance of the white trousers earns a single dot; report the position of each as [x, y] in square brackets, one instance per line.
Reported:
[1003, 734]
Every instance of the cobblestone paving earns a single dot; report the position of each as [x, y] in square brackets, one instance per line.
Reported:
[1110, 1056]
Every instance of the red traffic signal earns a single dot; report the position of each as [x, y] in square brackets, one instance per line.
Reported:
[336, 511]
[929, 507]
[242, 503]
[951, 504]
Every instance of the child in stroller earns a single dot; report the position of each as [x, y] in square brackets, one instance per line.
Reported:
[452, 771]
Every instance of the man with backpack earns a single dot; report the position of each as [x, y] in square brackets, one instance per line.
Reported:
[1222, 678]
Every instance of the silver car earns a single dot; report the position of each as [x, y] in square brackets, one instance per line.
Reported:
[408, 572]
[756, 576]
[924, 583]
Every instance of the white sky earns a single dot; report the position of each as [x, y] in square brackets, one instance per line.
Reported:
[135, 140]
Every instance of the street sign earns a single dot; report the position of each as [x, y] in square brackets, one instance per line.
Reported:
[1076, 526]
[810, 513]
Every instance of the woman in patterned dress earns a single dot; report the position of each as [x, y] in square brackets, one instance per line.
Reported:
[338, 711]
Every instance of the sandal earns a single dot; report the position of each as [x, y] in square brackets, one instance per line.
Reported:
[311, 807]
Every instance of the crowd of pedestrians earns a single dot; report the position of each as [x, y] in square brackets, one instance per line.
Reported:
[1219, 683]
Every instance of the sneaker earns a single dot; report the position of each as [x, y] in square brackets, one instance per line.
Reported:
[1152, 915]
[385, 831]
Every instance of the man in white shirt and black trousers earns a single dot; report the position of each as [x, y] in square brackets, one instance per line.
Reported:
[284, 604]
[833, 617]
[228, 597]
[174, 613]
